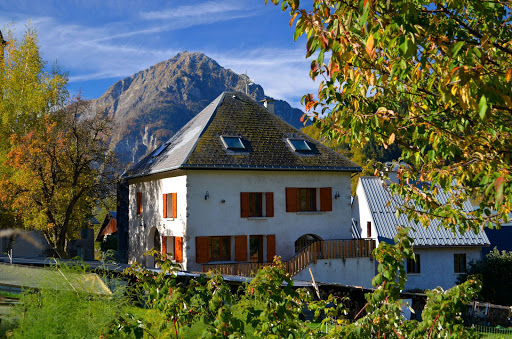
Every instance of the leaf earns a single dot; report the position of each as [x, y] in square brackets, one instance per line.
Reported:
[293, 18]
[369, 45]
[457, 47]
[391, 138]
[508, 75]
[482, 107]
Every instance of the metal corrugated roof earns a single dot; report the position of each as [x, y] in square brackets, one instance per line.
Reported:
[383, 208]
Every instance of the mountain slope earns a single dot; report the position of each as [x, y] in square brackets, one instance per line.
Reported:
[151, 105]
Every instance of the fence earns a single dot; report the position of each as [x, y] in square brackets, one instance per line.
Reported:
[326, 249]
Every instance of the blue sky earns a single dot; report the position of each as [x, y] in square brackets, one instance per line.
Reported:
[101, 41]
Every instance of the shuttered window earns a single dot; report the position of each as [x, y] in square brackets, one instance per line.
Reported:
[202, 249]
[271, 247]
[252, 205]
[178, 249]
[170, 204]
[369, 229]
[139, 203]
[269, 204]
[326, 199]
[305, 199]
[164, 247]
[241, 248]
[292, 200]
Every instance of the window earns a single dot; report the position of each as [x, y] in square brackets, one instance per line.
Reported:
[413, 266]
[220, 248]
[459, 263]
[369, 229]
[256, 248]
[256, 204]
[299, 145]
[139, 203]
[170, 205]
[159, 150]
[232, 142]
[305, 199]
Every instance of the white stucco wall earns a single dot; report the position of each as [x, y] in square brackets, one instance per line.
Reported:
[361, 213]
[214, 217]
[352, 271]
[437, 267]
[140, 226]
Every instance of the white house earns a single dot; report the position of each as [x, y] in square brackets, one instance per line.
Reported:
[440, 255]
[237, 186]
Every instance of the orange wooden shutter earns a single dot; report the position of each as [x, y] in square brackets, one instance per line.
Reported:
[244, 205]
[174, 205]
[139, 203]
[292, 202]
[240, 247]
[326, 199]
[271, 247]
[202, 250]
[165, 205]
[164, 247]
[178, 248]
[269, 198]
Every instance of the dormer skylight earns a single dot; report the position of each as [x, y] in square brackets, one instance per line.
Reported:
[299, 145]
[232, 142]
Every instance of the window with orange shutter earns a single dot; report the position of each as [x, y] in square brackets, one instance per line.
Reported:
[252, 204]
[170, 205]
[139, 203]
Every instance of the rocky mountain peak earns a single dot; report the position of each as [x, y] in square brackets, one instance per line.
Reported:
[151, 105]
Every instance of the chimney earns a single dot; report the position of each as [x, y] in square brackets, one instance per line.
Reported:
[268, 104]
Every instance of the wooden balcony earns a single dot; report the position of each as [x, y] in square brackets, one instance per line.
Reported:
[326, 249]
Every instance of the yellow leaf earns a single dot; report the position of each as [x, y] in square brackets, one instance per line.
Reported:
[391, 138]
[508, 75]
[369, 45]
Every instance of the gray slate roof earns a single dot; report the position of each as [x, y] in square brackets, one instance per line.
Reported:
[198, 145]
[384, 217]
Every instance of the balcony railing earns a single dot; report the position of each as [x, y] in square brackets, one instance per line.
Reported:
[326, 249]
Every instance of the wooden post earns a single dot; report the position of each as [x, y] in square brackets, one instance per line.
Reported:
[314, 284]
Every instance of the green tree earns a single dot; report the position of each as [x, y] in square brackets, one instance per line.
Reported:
[59, 173]
[434, 77]
[495, 270]
[27, 93]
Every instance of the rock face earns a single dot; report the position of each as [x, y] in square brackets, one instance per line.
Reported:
[151, 105]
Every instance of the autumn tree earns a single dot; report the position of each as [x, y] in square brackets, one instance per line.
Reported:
[60, 172]
[434, 77]
[27, 93]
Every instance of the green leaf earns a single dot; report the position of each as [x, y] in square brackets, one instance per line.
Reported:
[456, 48]
[482, 107]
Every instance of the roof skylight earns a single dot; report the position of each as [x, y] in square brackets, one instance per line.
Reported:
[231, 142]
[299, 145]
[160, 150]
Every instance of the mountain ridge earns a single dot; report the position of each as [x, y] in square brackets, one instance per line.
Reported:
[148, 107]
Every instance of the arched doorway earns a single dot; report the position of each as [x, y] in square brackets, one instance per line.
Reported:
[305, 241]
[154, 241]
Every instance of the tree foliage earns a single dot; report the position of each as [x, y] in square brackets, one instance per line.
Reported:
[59, 173]
[27, 93]
[434, 77]
[495, 270]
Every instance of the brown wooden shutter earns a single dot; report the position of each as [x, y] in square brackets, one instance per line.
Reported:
[292, 199]
[271, 247]
[164, 247]
[202, 255]
[244, 205]
[240, 247]
[269, 204]
[165, 205]
[174, 205]
[178, 248]
[326, 199]
[139, 203]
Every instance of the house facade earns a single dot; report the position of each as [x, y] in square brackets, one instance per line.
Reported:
[440, 254]
[237, 185]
